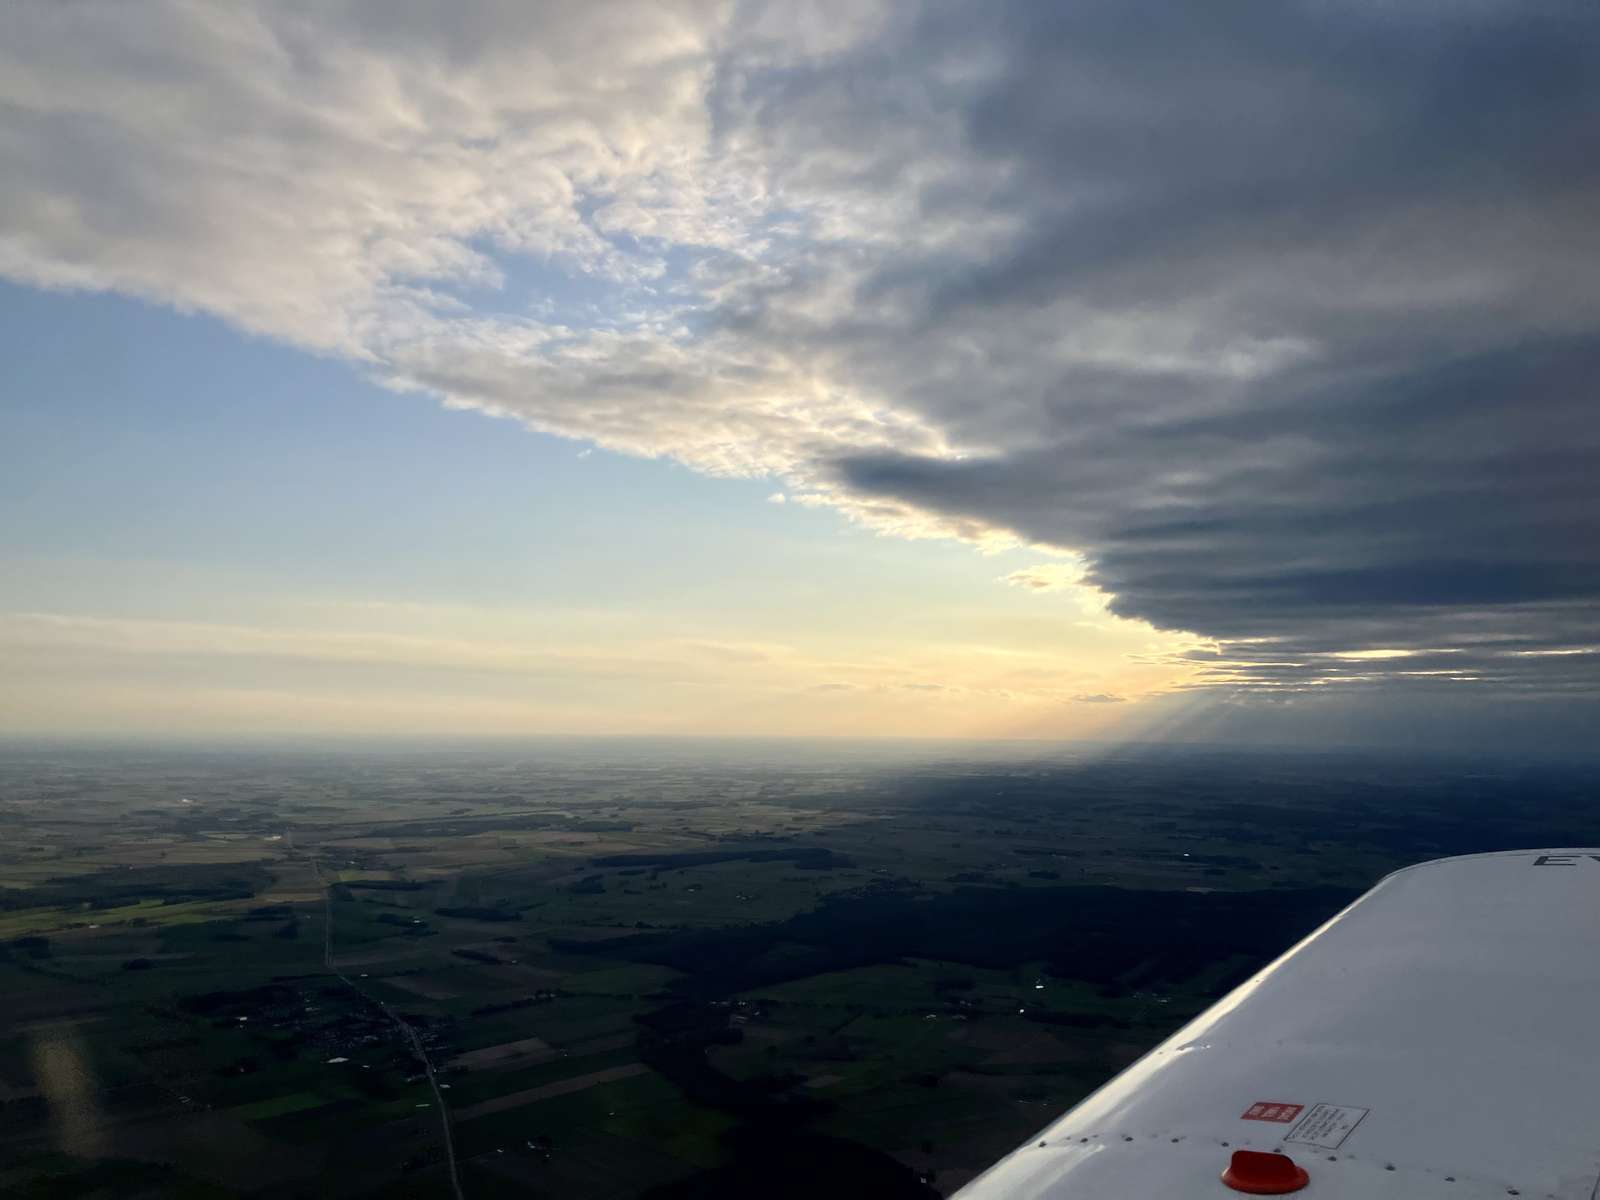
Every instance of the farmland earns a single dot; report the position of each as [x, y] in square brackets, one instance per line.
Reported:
[647, 969]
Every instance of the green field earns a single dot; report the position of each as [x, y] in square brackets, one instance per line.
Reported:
[621, 970]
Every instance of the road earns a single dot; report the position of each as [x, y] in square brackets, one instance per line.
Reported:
[400, 1023]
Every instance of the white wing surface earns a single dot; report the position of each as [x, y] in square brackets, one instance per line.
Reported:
[1438, 1038]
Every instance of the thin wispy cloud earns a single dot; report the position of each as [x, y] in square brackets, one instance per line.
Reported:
[508, 673]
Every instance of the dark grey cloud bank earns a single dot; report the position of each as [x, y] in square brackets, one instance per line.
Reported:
[1286, 314]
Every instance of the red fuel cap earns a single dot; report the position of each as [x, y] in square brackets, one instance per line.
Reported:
[1263, 1174]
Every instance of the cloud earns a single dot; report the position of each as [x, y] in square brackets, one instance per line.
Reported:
[27, 638]
[339, 668]
[1046, 577]
[1098, 698]
[314, 175]
[1282, 317]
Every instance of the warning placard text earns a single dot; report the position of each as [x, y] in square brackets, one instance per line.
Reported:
[1327, 1125]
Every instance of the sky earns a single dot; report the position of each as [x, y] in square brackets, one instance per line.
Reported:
[1113, 370]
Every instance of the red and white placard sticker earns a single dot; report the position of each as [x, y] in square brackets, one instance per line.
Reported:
[1327, 1125]
[1272, 1110]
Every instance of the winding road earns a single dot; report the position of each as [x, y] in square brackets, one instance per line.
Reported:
[404, 1027]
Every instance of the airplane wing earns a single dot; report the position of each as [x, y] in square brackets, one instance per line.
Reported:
[1439, 1038]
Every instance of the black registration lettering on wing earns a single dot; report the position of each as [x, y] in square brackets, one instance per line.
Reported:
[1563, 860]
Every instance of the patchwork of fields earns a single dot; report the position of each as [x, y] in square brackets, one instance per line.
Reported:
[641, 971]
